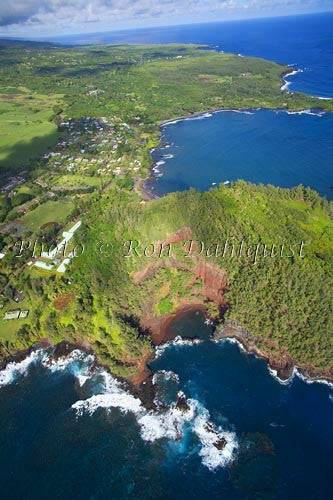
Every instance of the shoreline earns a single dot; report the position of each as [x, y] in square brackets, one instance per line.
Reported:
[281, 365]
[285, 84]
[160, 328]
[147, 195]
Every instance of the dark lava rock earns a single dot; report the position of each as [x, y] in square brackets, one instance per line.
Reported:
[182, 404]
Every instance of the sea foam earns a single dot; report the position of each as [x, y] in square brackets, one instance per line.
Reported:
[177, 342]
[188, 118]
[209, 436]
[312, 381]
[169, 424]
[77, 362]
[14, 370]
[286, 84]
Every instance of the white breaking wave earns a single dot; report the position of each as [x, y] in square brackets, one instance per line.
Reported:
[200, 117]
[210, 437]
[297, 373]
[281, 381]
[167, 425]
[158, 164]
[167, 375]
[187, 118]
[231, 340]
[79, 364]
[125, 402]
[62, 363]
[207, 115]
[313, 381]
[13, 370]
[306, 112]
[178, 341]
[273, 373]
[287, 82]
[240, 111]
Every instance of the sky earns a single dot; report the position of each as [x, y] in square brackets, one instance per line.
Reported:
[44, 18]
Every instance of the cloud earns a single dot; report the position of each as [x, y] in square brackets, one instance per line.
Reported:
[21, 11]
[74, 14]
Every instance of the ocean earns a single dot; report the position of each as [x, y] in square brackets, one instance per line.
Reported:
[304, 42]
[260, 146]
[227, 428]
[67, 431]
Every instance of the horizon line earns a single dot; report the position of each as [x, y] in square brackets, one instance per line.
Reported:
[48, 37]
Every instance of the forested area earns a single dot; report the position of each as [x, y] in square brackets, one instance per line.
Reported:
[279, 287]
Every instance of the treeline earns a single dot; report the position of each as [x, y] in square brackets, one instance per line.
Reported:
[286, 299]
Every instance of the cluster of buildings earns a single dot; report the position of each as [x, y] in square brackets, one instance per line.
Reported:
[12, 183]
[94, 92]
[56, 258]
[104, 147]
[16, 314]
[94, 147]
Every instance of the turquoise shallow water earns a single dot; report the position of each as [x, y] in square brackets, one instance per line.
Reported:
[258, 146]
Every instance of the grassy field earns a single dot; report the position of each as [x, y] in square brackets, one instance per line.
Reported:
[51, 211]
[25, 128]
[78, 180]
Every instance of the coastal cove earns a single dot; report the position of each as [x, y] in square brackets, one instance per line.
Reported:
[278, 147]
[205, 393]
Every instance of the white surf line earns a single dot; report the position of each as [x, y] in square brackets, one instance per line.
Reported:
[78, 362]
[217, 447]
[296, 372]
[178, 341]
[286, 84]
[15, 369]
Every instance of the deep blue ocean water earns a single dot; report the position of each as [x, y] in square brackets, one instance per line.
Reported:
[280, 149]
[69, 432]
[259, 146]
[283, 434]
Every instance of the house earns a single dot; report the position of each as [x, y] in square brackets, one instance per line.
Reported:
[44, 265]
[14, 314]
[62, 267]
[19, 296]
[41, 182]
[61, 247]
[26, 206]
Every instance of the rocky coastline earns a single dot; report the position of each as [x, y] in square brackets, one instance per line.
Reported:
[142, 385]
[280, 362]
